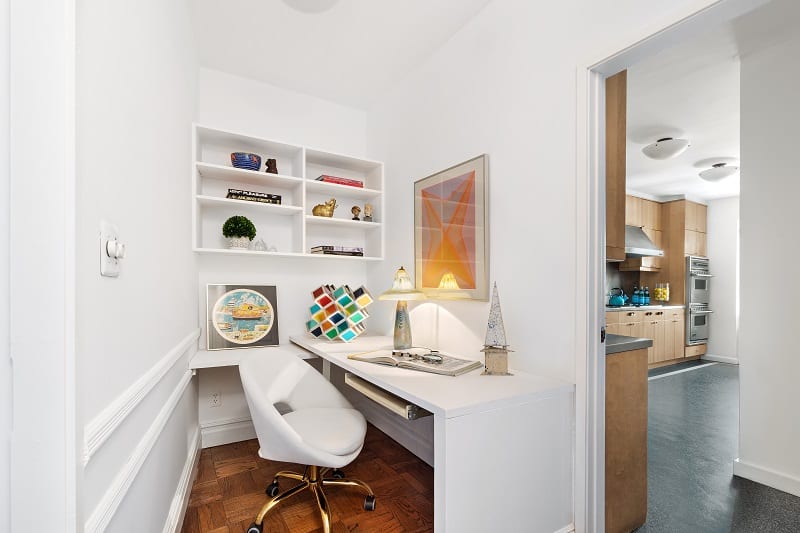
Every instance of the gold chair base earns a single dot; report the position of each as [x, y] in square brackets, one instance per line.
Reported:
[314, 480]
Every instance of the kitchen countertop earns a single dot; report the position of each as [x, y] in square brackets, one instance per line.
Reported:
[622, 343]
[643, 307]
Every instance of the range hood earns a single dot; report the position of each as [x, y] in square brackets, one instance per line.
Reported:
[638, 244]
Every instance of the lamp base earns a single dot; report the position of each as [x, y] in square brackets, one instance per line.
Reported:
[402, 327]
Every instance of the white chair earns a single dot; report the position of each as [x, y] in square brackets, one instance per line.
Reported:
[318, 428]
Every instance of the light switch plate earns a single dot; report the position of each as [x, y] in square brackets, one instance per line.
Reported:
[109, 266]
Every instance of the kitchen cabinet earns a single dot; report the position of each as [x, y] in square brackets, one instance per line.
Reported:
[626, 441]
[665, 327]
[616, 128]
[647, 215]
[678, 334]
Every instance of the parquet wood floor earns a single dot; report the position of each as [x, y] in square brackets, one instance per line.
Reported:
[229, 491]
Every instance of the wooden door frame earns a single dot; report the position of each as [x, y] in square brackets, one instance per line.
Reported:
[695, 18]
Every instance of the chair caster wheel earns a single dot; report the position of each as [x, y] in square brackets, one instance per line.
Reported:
[272, 491]
[337, 474]
[254, 528]
[369, 504]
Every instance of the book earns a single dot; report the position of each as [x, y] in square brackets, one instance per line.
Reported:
[253, 196]
[337, 248]
[340, 181]
[450, 366]
[337, 252]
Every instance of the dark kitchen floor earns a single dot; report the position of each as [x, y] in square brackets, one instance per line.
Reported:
[692, 442]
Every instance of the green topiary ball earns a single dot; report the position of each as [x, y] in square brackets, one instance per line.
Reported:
[239, 226]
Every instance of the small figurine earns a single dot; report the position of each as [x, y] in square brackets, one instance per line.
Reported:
[367, 212]
[326, 209]
[356, 211]
[272, 166]
[495, 347]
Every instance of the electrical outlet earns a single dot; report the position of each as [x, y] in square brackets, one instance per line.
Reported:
[215, 399]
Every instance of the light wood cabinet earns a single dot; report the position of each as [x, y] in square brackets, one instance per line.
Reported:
[612, 317]
[677, 331]
[626, 441]
[663, 344]
[647, 215]
[647, 330]
[616, 128]
[634, 215]
[702, 218]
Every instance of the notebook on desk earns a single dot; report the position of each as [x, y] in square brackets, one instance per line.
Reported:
[445, 365]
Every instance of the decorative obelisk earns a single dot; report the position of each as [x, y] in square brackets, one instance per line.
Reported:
[495, 346]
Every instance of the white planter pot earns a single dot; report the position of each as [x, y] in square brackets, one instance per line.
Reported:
[238, 243]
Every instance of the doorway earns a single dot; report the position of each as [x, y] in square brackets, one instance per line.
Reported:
[719, 14]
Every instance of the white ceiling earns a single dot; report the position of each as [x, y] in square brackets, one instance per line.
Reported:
[692, 91]
[350, 53]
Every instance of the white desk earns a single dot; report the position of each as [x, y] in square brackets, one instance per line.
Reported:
[502, 444]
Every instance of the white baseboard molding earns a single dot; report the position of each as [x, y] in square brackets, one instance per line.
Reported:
[766, 476]
[566, 529]
[104, 511]
[720, 359]
[177, 510]
[100, 428]
[226, 431]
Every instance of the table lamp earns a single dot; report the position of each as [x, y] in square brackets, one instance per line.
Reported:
[402, 290]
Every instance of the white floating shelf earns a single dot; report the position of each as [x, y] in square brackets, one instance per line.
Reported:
[239, 251]
[220, 358]
[275, 209]
[228, 251]
[348, 257]
[341, 222]
[334, 189]
[319, 157]
[241, 175]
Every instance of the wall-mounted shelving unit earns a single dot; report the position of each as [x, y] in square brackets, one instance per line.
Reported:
[290, 227]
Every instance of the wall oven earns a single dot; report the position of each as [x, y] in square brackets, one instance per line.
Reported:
[698, 291]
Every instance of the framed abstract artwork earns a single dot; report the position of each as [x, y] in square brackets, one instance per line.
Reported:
[451, 234]
[241, 316]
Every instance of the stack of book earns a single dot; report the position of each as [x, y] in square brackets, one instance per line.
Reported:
[341, 181]
[356, 251]
[252, 196]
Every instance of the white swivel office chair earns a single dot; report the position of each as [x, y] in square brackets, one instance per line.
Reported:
[318, 428]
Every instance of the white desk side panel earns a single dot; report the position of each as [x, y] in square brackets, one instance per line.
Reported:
[514, 464]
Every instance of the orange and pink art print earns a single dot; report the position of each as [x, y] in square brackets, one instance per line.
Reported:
[451, 234]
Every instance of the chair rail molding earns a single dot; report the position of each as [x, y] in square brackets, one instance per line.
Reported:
[104, 511]
[177, 510]
[100, 428]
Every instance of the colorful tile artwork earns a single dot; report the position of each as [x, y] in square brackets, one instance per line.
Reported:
[338, 312]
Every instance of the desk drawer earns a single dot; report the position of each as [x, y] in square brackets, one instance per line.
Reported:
[393, 403]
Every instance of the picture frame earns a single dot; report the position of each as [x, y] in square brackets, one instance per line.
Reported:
[451, 232]
[241, 316]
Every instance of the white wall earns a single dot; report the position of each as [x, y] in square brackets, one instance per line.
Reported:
[5, 361]
[136, 81]
[768, 354]
[505, 85]
[722, 239]
[42, 172]
[247, 106]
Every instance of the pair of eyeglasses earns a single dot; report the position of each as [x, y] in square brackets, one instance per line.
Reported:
[431, 357]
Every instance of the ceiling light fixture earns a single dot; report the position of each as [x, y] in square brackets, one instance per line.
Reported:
[311, 6]
[718, 172]
[666, 148]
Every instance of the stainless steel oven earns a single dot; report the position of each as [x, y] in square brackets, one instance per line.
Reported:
[697, 324]
[698, 280]
[698, 298]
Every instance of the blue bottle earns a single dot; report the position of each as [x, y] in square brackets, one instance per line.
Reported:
[647, 296]
[636, 299]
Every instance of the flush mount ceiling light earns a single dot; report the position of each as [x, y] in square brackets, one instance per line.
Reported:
[666, 148]
[718, 172]
[311, 6]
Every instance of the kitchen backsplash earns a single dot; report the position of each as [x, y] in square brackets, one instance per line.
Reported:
[624, 280]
